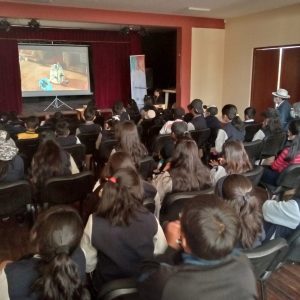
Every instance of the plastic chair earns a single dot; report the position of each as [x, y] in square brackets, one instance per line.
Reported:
[67, 189]
[119, 288]
[254, 149]
[264, 260]
[250, 130]
[255, 174]
[78, 153]
[15, 199]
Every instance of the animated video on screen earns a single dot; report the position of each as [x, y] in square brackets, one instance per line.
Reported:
[49, 69]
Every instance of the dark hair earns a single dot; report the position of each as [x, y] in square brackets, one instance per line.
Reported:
[187, 170]
[49, 160]
[250, 112]
[62, 128]
[236, 158]
[179, 113]
[180, 130]
[210, 227]
[294, 128]
[89, 114]
[117, 107]
[229, 110]
[237, 190]
[129, 139]
[273, 124]
[238, 123]
[148, 100]
[56, 234]
[32, 122]
[213, 110]
[121, 197]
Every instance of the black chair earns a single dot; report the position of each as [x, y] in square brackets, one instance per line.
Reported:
[201, 137]
[250, 130]
[264, 260]
[253, 150]
[125, 288]
[149, 204]
[67, 189]
[173, 203]
[272, 145]
[27, 149]
[89, 140]
[255, 174]
[293, 254]
[160, 141]
[101, 155]
[15, 199]
[287, 180]
[78, 153]
[146, 167]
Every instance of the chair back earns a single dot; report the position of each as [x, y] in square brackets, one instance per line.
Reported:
[89, 140]
[119, 288]
[14, 198]
[250, 130]
[77, 151]
[255, 174]
[146, 167]
[253, 149]
[200, 136]
[273, 144]
[149, 204]
[104, 151]
[263, 258]
[293, 253]
[27, 149]
[290, 177]
[67, 189]
[160, 141]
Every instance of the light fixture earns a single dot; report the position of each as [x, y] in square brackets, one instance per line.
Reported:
[5, 25]
[138, 29]
[198, 8]
[33, 24]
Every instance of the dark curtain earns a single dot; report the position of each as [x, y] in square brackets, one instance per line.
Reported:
[109, 62]
[10, 80]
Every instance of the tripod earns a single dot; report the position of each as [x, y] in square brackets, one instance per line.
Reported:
[57, 103]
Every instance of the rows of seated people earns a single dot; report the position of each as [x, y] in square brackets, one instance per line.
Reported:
[197, 251]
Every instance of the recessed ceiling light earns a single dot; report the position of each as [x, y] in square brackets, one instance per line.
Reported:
[198, 8]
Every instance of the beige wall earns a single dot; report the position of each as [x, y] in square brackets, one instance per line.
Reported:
[272, 28]
[207, 65]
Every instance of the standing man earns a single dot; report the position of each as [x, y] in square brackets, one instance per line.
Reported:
[283, 106]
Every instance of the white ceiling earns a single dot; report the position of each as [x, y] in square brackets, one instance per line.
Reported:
[223, 9]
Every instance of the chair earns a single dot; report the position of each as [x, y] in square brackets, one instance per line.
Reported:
[119, 288]
[272, 145]
[146, 167]
[287, 180]
[253, 150]
[149, 204]
[250, 130]
[200, 136]
[160, 141]
[255, 174]
[27, 149]
[89, 140]
[102, 154]
[15, 198]
[264, 259]
[293, 253]
[78, 153]
[67, 189]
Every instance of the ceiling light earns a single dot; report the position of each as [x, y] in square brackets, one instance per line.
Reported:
[198, 8]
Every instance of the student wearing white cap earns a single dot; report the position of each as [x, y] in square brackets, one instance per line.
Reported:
[283, 106]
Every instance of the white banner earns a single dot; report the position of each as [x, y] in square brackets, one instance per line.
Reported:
[138, 79]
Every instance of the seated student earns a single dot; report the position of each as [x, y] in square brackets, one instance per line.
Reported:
[133, 110]
[89, 126]
[31, 124]
[233, 128]
[290, 155]
[186, 172]
[108, 132]
[237, 191]
[282, 218]
[178, 115]
[122, 232]
[206, 265]
[50, 121]
[210, 117]
[13, 125]
[57, 270]
[119, 112]
[249, 115]
[63, 137]
[11, 164]
[198, 120]
[148, 104]
[271, 125]
[234, 161]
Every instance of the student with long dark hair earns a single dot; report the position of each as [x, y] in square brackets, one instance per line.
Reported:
[121, 233]
[238, 192]
[57, 271]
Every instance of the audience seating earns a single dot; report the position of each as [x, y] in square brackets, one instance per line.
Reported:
[253, 150]
[67, 189]
[15, 199]
[293, 253]
[101, 155]
[159, 142]
[119, 289]
[272, 145]
[146, 167]
[149, 204]
[264, 260]
[255, 174]
[89, 140]
[201, 137]
[250, 130]
[78, 153]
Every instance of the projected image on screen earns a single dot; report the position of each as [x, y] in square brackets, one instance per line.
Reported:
[50, 70]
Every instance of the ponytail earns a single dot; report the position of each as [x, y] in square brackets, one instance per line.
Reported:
[238, 123]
